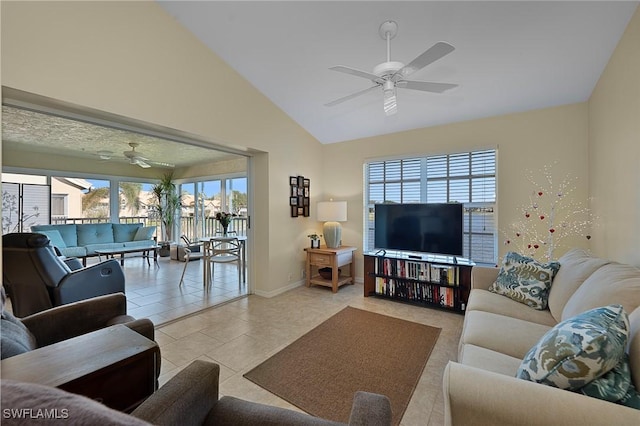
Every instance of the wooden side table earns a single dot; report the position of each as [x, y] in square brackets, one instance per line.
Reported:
[330, 258]
[115, 366]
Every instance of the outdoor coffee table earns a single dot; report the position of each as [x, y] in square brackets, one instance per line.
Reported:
[146, 253]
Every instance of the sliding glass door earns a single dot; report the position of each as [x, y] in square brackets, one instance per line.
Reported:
[203, 199]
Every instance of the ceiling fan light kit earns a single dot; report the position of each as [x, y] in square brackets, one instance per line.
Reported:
[390, 75]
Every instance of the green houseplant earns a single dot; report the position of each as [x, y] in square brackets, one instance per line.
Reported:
[167, 202]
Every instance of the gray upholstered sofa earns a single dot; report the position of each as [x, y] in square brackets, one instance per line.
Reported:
[189, 398]
[482, 388]
[82, 240]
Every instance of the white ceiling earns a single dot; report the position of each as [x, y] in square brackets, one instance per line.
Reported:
[509, 57]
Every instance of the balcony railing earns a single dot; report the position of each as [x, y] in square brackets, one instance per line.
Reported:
[187, 224]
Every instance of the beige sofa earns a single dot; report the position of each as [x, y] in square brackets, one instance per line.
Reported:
[482, 388]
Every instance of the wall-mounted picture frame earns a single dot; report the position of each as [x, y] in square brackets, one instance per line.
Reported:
[299, 201]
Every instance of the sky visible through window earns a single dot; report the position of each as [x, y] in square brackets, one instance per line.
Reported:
[210, 187]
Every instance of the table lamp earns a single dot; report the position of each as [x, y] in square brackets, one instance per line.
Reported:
[332, 213]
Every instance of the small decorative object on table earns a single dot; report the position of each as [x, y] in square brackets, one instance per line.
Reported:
[315, 240]
[225, 219]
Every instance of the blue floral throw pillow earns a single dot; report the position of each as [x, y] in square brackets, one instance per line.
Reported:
[615, 386]
[578, 350]
[525, 280]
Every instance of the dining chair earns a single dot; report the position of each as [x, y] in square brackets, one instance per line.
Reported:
[223, 250]
[187, 257]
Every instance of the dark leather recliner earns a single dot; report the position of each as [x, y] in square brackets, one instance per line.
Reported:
[36, 278]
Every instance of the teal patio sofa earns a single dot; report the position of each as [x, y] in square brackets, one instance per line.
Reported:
[82, 240]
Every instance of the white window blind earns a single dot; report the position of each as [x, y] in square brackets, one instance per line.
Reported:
[468, 178]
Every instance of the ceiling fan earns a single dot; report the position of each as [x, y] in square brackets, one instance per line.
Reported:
[134, 157]
[390, 75]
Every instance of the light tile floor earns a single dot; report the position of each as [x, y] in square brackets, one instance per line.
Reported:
[241, 334]
[237, 331]
[153, 291]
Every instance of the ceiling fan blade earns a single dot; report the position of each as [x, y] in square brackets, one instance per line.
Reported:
[162, 164]
[425, 86]
[357, 73]
[431, 55]
[351, 96]
[138, 161]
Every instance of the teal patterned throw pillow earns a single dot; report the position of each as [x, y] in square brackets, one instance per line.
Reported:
[525, 280]
[578, 350]
[615, 386]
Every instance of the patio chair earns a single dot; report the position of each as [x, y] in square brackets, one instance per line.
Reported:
[223, 250]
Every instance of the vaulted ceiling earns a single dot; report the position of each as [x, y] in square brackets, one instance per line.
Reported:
[509, 56]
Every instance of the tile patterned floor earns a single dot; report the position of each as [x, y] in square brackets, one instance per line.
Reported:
[153, 291]
[241, 334]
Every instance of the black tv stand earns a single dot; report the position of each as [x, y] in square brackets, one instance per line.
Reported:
[429, 280]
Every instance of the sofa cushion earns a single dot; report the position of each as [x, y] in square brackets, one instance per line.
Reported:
[578, 350]
[91, 248]
[125, 231]
[510, 336]
[139, 244]
[614, 386]
[144, 233]
[68, 232]
[483, 300]
[54, 238]
[575, 267]
[486, 359]
[74, 251]
[525, 280]
[614, 283]
[94, 233]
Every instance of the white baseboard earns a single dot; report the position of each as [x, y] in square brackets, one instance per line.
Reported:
[280, 290]
[291, 286]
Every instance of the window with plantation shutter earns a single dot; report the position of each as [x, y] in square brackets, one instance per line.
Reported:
[468, 178]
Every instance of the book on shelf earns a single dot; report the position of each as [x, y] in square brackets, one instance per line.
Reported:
[416, 291]
[417, 270]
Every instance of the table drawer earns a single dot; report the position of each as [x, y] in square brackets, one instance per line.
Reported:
[319, 259]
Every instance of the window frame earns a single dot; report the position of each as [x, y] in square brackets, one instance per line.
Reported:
[481, 164]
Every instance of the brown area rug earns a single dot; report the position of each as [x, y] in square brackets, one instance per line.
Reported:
[353, 350]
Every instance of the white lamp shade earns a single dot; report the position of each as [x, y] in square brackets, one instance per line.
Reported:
[332, 211]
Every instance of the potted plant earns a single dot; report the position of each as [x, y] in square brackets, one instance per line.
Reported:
[225, 219]
[315, 240]
[167, 202]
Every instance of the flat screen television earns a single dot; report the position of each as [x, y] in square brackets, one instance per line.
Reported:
[426, 228]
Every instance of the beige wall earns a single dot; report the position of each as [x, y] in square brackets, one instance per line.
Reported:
[526, 142]
[134, 60]
[614, 151]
